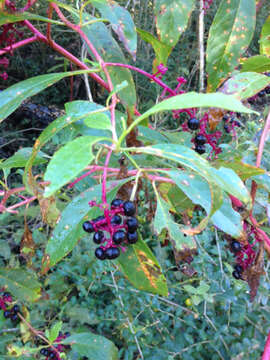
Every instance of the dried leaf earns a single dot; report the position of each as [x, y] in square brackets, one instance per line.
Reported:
[27, 246]
[215, 115]
[50, 213]
[254, 273]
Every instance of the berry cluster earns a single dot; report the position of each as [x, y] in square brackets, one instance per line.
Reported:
[52, 354]
[120, 231]
[236, 247]
[230, 122]
[10, 312]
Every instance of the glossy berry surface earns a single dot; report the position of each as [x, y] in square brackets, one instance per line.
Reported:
[238, 268]
[116, 203]
[129, 208]
[118, 237]
[132, 224]
[132, 238]
[98, 237]
[15, 308]
[100, 253]
[200, 139]
[88, 227]
[235, 246]
[14, 317]
[112, 253]
[44, 352]
[99, 218]
[193, 124]
[236, 275]
[200, 149]
[7, 314]
[116, 220]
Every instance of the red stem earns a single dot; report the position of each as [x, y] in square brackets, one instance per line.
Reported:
[266, 353]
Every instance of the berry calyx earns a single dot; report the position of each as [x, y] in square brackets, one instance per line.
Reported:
[88, 227]
[193, 124]
[236, 246]
[116, 220]
[98, 237]
[200, 149]
[112, 253]
[116, 203]
[118, 237]
[132, 238]
[132, 224]
[200, 139]
[100, 253]
[129, 208]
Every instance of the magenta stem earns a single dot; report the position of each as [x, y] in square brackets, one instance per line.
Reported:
[266, 353]
[8, 49]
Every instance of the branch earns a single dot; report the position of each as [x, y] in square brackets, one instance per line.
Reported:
[266, 353]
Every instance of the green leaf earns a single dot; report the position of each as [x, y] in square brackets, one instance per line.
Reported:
[122, 23]
[69, 229]
[257, 63]
[172, 19]
[142, 269]
[20, 158]
[163, 220]
[54, 331]
[21, 283]
[7, 18]
[243, 170]
[68, 162]
[12, 97]
[265, 38]
[229, 36]
[246, 84]
[98, 121]
[162, 51]
[95, 347]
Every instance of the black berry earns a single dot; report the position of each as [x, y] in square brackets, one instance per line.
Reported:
[44, 352]
[100, 253]
[112, 253]
[7, 314]
[200, 139]
[15, 309]
[116, 220]
[88, 227]
[200, 149]
[132, 224]
[193, 124]
[6, 295]
[235, 246]
[227, 129]
[132, 238]
[99, 218]
[116, 203]
[226, 117]
[238, 268]
[14, 317]
[236, 275]
[52, 355]
[261, 93]
[267, 90]
[129, 208]
[118, 237]
[98, 237]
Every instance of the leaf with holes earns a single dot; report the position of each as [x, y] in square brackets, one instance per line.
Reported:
[265, 38]
[245, 85]
[122, 23]
[22, 284]
[257, 63]
[68, 162]
[142, 269]
[229, 36]
[172, 19]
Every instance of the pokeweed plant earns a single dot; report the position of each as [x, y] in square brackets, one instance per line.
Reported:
[179, 174]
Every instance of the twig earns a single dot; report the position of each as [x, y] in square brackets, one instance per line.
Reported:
[201, 45]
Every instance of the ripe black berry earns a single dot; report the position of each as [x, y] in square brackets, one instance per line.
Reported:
[119, 236]
[116, 220]
[200, 149]
[226, 117]
[236, 275]
[267, 90]
[6, 295]
[88, 227]
[261, 93]
[44, 352]
[193, 124]
[116, 203]
[52, 355]
[235, 246]
[14, 317]
[200, 139]
[132, 224]
[7, 314]
[15, 309]
[100, 253]
[238, 268]
[129, 208]
[112, 253]
[99, 218]
[227, 129]
[132, 238]
[98, 237]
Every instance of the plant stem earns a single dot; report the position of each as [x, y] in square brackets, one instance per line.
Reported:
[266, 353]
[201, 45]
[104, 178]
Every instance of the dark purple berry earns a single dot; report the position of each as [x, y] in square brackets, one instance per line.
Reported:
[116, 220]
[6, 295]
[116, 203]
[132, 238]
[226, 117]
[67, 334]
[100, 253]
[99, 218]
[227, 129]
[200, 139]
[7, 314]
[98, 237]
[14, 317]
[236, 275]
[267, 90]
[132, 224]
[15, 309]
[88, 227]
[200, 149]
[118, 237]
[193, 124]
[261, 93]
[52, 355]
[44, 352]
[112, 253]
[238, 268]
[235, 246]
[129, 208]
